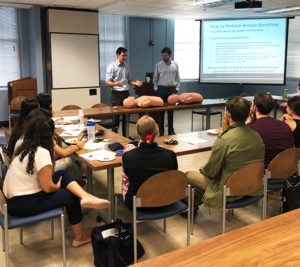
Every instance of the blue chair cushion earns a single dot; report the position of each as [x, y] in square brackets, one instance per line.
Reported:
[242, 202]
[144, 214]
[14, 222]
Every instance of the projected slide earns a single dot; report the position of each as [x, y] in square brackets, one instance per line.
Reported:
[243, 51]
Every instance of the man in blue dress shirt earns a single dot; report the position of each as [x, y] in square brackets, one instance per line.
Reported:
[166, 82]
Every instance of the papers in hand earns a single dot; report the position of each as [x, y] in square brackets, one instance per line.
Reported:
[102, 155]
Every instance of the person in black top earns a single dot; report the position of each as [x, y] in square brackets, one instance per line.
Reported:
[147, 159]
[292, 118]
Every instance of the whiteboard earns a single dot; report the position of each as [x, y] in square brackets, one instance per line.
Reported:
[74, 60]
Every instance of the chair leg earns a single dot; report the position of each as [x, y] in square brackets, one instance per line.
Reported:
[188, 230]
[52, 229]
[6, 249]
[134, 231]
[21, 236]
[203, 122]
[63, 239]
[116, 208]
[224, 210]
[192, 212]
[165, 225]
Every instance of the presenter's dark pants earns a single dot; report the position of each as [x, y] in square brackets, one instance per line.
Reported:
[117, 100]
[28, 205]
[164, 92]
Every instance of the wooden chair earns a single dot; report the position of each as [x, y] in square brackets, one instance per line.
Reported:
[280, 168]
[69, 107]
[106, 121]
[18, 90]
[243, 183]
[14, 110]
[163, 192]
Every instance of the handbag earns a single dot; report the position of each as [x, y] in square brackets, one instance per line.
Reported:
[113, 245]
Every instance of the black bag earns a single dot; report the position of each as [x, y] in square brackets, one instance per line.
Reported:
[115, 250]
[290, 194]
[115, 146]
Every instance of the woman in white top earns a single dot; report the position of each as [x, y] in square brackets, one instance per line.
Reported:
[30, 186]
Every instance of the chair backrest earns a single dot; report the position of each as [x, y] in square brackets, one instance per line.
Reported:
[284, 164]
[246, 180]
[69, 107]
[15, 103]
[2, 199]
[99, 105]
[162, 189]
[26, 87]
[7, 134]
[102, 117]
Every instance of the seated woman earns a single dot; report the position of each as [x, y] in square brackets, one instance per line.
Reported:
[64, 157]
[30, 187]
[27, 105]
[185, 98]
[152, 158]
[292, 118]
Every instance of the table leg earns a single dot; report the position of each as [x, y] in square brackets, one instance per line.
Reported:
[89, 177]
[207, 125]
[111, 194]
[110, 215]
[126, 118]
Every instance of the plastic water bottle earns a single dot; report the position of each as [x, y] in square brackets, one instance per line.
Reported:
[91, 130]
[81, 117]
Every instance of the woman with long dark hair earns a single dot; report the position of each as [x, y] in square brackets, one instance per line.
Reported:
[30, 186]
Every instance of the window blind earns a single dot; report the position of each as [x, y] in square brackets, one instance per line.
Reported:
[186, 48]
[111, 36]
[9, 47]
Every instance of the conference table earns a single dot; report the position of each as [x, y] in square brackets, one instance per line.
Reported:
[188, 143]
[121, 110]
[272, 242]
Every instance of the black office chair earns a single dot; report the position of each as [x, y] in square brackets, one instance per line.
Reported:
[205, 113]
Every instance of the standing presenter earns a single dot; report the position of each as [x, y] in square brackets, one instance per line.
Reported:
[166, 82]
[118, 78]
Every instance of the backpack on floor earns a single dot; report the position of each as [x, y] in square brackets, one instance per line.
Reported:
[290, 194]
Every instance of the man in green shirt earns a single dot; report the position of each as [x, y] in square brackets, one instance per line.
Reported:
[233, 149]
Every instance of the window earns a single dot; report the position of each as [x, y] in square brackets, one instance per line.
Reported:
[111, 36]
[9, 46]
[186, 48]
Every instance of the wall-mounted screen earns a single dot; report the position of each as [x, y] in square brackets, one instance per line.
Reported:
[244, 51]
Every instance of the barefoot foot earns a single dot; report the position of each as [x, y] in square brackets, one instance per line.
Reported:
[92, 202]
[84, 240]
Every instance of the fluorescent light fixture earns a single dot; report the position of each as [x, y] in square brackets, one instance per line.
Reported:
[281, 10]
[211, 3]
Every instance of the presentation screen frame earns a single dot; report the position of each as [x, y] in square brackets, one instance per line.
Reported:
[243, 51]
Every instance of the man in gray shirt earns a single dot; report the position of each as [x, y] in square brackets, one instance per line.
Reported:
[118, 78]
[166, 82]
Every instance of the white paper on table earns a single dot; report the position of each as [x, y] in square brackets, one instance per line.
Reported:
[66, 118]
[92, 146]
[191, 140]
[102, 155]
[71, 130]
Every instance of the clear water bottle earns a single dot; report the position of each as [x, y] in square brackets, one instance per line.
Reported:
[81, 117]
[91, 129]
